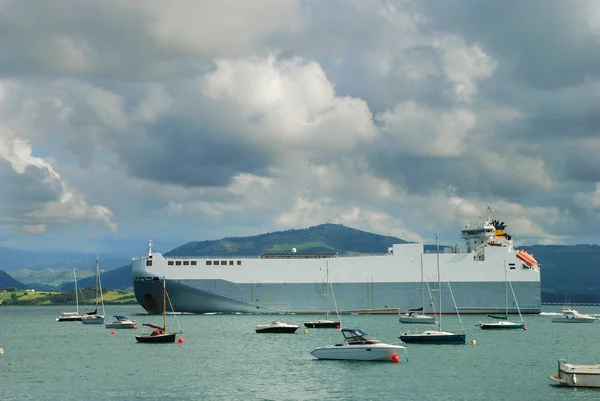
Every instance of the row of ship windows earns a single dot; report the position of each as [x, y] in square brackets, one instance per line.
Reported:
[193, 263]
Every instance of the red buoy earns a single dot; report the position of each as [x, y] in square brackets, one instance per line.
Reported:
[112, 332]
[337, 327]
[180, 341]
[395, 358]
[525, 328]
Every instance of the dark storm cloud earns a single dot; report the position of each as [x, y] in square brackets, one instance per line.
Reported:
[543, 43]
[191, 154]
[23, 189]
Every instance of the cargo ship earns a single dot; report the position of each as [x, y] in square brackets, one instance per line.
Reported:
[474, 272]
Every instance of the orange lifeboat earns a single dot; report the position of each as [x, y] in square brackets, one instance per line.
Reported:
[526, 258]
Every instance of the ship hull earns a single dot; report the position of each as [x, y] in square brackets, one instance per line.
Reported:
[209, 296]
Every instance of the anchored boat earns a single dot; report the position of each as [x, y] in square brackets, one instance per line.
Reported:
[388, 282]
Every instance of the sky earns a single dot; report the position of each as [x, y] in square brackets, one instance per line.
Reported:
[123, 121]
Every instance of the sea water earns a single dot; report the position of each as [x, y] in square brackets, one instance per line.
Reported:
[222, 358]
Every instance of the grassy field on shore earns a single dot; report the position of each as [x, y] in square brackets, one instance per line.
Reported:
[111, 297]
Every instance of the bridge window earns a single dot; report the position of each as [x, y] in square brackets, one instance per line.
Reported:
[239, 262]
[178, 263]
[186, 262]
[193, 263]
[170, 263]
[231, 263]
[148, 263]
[223, 263]
[208, 262]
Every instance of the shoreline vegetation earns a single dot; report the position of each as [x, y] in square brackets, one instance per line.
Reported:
[13, 297]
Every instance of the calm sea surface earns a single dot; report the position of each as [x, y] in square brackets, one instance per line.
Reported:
[222, 358]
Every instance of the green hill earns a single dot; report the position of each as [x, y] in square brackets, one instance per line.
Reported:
[322, 238]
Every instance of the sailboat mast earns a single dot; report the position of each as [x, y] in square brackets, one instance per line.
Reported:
[506, 287]
[76, 294]
[165, 305]
[100, 285]
[437, 246]
[422, 289]
[327, 292]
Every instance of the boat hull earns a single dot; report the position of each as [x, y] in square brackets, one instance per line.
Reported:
[347, 352]
[157, 339]
[220, 296]
[573, 320]
[577, 375]
[424, 338]
[420, 319]
[287, 330]
[385, 283]
[117, 326]
[69, 319]
[322, 325]
[92, 320]
[500, 326]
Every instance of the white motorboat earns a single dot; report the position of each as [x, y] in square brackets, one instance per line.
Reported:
[577, 375]
[359, 346]
[277, 327]
[121, 322]
[572, 316]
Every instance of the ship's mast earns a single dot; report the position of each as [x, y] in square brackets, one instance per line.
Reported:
[150, 249]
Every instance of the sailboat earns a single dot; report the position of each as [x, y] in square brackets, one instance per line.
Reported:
[502, 320]
[159, 334]
[94, 317]
[415, 315]
[326, 323]
[436, 336]
[71, 316]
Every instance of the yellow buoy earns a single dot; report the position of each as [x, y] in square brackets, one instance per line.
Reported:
[1, 351]
[305, 331]
[473, 342]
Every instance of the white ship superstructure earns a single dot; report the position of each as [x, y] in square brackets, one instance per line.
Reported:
[388, 282]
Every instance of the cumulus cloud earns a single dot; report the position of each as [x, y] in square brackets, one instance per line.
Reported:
[224, 118]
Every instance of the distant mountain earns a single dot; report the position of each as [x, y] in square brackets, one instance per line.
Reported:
[322, 238]
[7, 281]
[13, 260]
[572, 271]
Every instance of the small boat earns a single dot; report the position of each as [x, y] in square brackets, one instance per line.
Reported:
[572, 316]
[436, 336]
[71, 316]
[359, 346]
[415, 315]
[526, 258]
[501, 322]
[416, 318]
[94, 317]
[326, 323]
[277, 327]
[159, 334]
[121, 322]
[577, 375]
